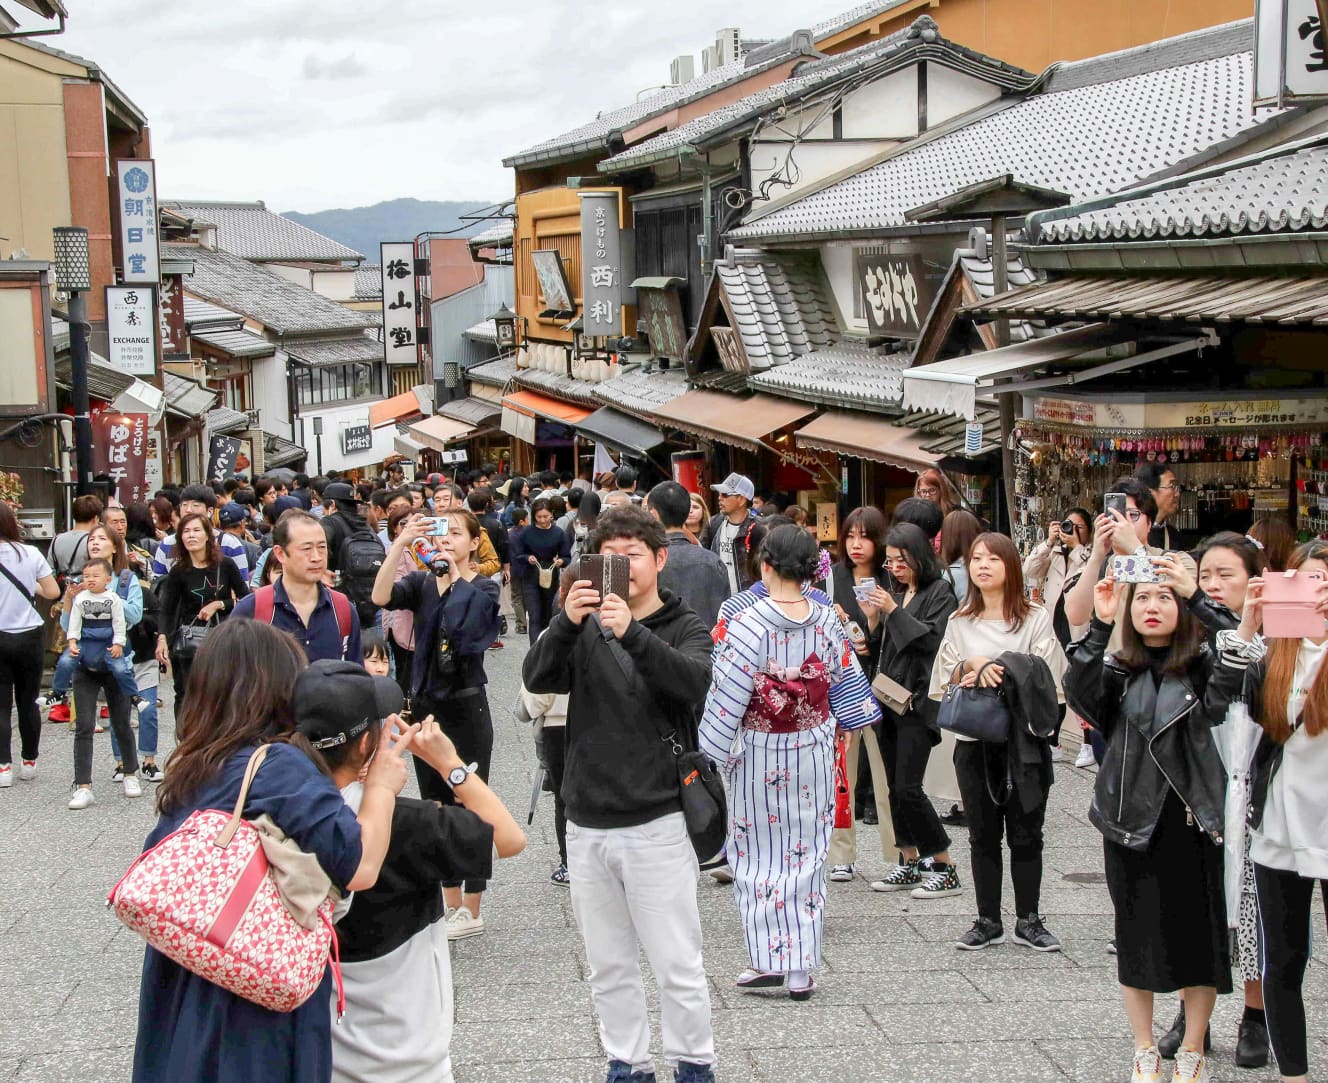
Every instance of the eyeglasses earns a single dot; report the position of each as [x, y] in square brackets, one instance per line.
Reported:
[1174, 486]
[1133, 514]
[928, 490]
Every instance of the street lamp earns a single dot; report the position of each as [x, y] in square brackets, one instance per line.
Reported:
[73, 274]
[318, 440]
[504, 322]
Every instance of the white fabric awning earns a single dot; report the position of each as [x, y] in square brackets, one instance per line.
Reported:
[952, 386]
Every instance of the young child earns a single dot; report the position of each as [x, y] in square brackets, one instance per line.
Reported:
[377, 658]
[97, 627]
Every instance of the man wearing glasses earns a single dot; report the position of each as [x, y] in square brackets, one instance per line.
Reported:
[1166, 490]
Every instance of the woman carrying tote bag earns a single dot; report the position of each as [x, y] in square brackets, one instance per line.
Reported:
[996, 617]
[241, 686]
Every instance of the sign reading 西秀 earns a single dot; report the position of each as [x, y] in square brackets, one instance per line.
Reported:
[131, 326]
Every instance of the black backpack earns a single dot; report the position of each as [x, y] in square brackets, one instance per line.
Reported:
[360, 558]
[142, 637]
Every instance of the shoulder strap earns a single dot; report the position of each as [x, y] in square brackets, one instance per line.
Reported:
[265, 604]
[341, 607]
[228, 832]
[27, 594]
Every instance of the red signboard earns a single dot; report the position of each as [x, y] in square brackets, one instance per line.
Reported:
[120, 450]
[689, 470]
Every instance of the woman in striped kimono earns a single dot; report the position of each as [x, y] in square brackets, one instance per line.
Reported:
[785, 681]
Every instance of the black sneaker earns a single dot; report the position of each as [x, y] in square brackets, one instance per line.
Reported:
[559, 876]
[938, 881]
[1252, 1044]
[955, 817]
[1169, 1044]
[150, 772]
[984, 933]
[1031, 933]
[118, 774]
[903, 877]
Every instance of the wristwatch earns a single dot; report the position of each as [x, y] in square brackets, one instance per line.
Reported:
[460, 773]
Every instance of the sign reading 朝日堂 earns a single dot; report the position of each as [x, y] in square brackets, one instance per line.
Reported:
[132, 329]
[400, 338]
[601, 265]
[137, 207]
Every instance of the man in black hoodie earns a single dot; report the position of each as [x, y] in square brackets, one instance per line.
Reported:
[636, 671]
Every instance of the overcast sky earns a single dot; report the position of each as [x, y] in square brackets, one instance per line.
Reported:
[311, 104]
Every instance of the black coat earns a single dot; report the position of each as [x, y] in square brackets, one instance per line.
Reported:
[1030, 694]
[909, 639]
[1159, 737]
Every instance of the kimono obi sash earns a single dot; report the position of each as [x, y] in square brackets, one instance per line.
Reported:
[788, 700]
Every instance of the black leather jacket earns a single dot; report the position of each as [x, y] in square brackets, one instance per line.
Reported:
[1158, 738]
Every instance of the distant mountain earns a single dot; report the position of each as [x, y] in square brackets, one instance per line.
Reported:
[364, 228]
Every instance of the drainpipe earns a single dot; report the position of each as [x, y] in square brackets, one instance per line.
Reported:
[707, 221]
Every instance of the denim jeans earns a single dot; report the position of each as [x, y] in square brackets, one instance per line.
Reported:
[147, 715]
[122, 669]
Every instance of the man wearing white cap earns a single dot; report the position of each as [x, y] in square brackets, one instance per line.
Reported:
[726, 533]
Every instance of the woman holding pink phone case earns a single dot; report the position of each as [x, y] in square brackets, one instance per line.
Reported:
[1283, 681]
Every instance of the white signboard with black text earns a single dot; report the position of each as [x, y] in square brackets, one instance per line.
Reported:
[1290, 52]
[400, 338]
[132, 329]
[601, 265]
[137, 190]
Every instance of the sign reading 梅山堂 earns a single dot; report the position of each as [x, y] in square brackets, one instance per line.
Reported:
[1290, 52]
[137, 207]
[132, 329]
[399, 302]
[601, 264]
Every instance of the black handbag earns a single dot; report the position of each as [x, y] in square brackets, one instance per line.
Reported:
[979, 713]
[704, 805]
[188, 639]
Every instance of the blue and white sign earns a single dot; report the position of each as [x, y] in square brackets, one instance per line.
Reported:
[138, 221]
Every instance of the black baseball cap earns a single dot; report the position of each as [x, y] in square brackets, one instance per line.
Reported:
[341, 493]
[336, 701]
[232, 514]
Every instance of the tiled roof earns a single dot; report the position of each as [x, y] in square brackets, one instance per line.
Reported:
[278, 451]
[255, 292]
[335, 351]
[641, 393]
[843, 375]
[1086, 140]
[252, 231]
[484, 331]
[895, 51]
[559, 384]
[199, 313]
[494, 373]
[499, 236]
[1285, 190]
[187, 398]
[780, 309]
[476, 411]
[845, 19]
[237, 343]
[982, 273]
[368, 282]
[223, 420]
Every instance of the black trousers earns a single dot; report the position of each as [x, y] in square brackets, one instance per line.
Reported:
[541, 604]
[21, 656]
[554, 741]
[87, 683]
[466, 720]
[180, 679]
[1284, 940]
[988, 822]
[906, 748]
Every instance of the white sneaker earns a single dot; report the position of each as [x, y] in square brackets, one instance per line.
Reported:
[6, 776]
[132, 788]
[461, 923]
[1057, 754]
[1085, 757]
[1147, 1065]
[27, 770]
[841, 874]
[1191, 1067]
[82, 798]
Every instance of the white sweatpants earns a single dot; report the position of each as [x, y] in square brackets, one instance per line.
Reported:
[635, 885]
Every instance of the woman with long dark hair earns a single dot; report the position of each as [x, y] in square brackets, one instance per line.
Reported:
[785, 681]
[240, 690]
[587, 515]
[1284, 682]
[542, 550]
[201, 586]
[24, 577]
[915, 613]
[995, 618]
[1159, 802]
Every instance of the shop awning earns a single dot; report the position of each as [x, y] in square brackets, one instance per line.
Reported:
[740, 422]
[533, 404]
[472, 409]
[866, 436]
[407, 448]
[278, 452]
[395, 409]
[438, 431]
[486, 393]
[1263, 299]
[952, 386]
[619, 431]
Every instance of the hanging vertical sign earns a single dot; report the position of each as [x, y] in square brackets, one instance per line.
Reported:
[601, 264]
[120, 450]
[223, 453]
[1290, 52]
[399, 302]
[170, 302]
[137, 207]
[132, 328]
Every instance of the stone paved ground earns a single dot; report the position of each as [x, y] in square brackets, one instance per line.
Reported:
[896, 1001]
